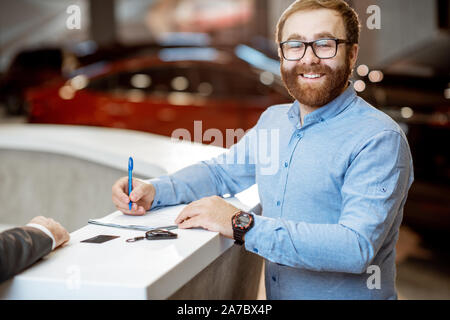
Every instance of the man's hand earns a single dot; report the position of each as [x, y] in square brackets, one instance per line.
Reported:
[59, 233]
[211, 213]
[142, 196]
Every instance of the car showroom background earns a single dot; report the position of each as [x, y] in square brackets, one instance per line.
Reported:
[156, 66]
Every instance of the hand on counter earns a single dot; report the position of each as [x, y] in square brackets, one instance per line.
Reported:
[22, 246]
[211, 213]
[59, 233]
[142, 196]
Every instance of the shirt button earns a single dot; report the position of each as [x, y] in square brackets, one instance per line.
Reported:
[278, 203]
[273, 278]
[159, 202]
[286, 164]
[255, 250]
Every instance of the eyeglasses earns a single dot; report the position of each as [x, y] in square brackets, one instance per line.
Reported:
[294, 50]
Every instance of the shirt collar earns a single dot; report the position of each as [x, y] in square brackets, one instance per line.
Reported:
[328, 111]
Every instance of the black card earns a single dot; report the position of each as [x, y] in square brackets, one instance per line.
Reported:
[100, 239]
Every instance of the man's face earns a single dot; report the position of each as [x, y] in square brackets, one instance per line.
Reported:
[333, 73]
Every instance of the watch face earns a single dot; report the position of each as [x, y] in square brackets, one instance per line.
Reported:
[243, 220]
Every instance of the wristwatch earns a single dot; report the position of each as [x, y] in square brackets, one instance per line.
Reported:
[241, 222]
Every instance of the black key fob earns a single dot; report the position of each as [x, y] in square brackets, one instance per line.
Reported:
[160, 234]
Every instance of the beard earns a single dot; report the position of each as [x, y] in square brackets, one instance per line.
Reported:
[316, 94]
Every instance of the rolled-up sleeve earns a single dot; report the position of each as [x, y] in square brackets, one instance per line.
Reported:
[375, 187]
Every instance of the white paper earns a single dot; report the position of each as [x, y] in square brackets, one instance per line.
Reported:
[153, 219]
[156, 218]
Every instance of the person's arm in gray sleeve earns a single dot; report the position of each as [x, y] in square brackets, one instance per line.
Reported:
[20, 248]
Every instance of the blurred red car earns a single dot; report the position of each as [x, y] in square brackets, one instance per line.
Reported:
[29, 68]
[163, 92]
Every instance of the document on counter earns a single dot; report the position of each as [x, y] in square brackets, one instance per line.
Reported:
[162, 218]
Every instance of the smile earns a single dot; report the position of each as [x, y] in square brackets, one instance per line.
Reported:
[312, 75]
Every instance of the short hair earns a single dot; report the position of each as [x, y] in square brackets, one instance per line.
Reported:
[350, 17]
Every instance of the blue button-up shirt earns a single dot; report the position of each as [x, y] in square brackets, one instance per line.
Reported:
[332, 193]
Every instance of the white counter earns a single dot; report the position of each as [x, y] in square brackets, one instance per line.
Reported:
[116, 269]
[153, 154]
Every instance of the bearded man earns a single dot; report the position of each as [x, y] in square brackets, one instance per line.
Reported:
[332, 209]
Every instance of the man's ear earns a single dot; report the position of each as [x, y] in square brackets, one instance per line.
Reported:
[354, 50]
[280, 56]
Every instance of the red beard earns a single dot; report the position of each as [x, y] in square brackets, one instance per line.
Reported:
[316, 95]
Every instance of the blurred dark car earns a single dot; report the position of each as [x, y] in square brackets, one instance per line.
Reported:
[421, 105]
[415, 91]
[39, 66]
[29, 68]
[164, 92]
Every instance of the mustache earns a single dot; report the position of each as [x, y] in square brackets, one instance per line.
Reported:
[301, 68]
[312, 69]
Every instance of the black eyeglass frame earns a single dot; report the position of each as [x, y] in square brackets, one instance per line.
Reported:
[310, 44]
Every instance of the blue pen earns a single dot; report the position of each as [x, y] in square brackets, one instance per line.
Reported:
[130, 179]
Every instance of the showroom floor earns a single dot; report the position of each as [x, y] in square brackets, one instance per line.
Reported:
[423, 270]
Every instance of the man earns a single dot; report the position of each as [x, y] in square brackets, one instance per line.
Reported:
[21, 247]
[331, 211]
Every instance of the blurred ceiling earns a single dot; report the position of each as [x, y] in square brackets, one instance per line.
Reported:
[427, 59]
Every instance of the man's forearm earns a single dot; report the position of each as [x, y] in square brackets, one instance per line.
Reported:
[186, 185]
[203, 179]
[317, 247]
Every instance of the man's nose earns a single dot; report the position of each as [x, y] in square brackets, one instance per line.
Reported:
[310, 57]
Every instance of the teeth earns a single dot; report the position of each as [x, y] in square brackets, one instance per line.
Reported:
[311, 76]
